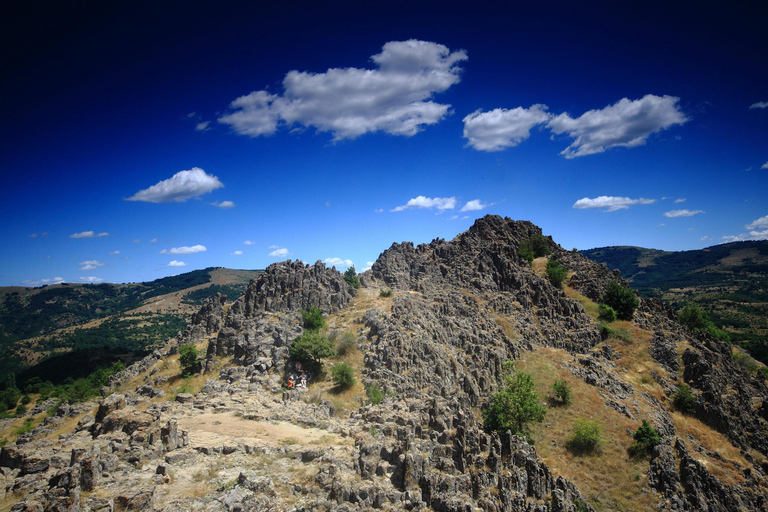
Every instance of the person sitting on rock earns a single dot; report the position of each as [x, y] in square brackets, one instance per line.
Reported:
[290, 382]
[303, 382]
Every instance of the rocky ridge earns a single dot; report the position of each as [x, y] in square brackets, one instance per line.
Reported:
[461, 308]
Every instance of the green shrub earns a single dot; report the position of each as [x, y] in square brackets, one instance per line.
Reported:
[562, 392]
[385, 292]
[375, 394]
[619, 333]
[646, 437]
[343, 376]
[21, 409]
[556, 273]
[25, 400]
[534, 247]
[188, 359]
[746, 361]
[683, 399]
[587, 436]
[622, 299]
[515, 406]
[26, 427]
[346, 344]
[350, 276]
[525, 251]
[309, 348]
[313, 319]
[607, 313]
[695, 319]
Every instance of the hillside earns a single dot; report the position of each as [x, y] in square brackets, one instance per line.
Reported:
[728, 281]
[432, 336]
[36, 323]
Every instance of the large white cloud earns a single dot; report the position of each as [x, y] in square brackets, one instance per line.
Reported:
[473, 206]
[441, 203]
[761, 223]
[682, 213]
[501, 128]
[184, 250]
[181, 186]
[279, 253]
[348, 102]
[610, 203]
[759, 104]
[758, 230]
[626, 123]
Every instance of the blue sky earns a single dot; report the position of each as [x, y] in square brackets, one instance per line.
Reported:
[144, 140]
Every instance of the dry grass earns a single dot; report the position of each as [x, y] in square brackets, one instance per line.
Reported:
[589, 306]
[509, 330]
[609, 480]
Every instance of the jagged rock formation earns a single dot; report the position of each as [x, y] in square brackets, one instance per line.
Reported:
[461, 309]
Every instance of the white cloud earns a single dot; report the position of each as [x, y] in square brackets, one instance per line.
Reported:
[764, 166]
[175, 263]
[40, 282]
[237, 253]
[153, 240]
[279, 253]
[181, 186]
[626, 123]
[682, 213]
[115, 252]
[90, 264]
[87, 234]
[368, 265]
[441, 203]
[759, 104]
[91, 279]
[348, 102]
[761, 223]
[137, 240]
[249, 242]
[202, 127]
[474, 205]
[184, 250]
[338, 262]
[273, 247]
[500, 128]
[378, 210]
[610, 203]
[223, 204]
[680, 200]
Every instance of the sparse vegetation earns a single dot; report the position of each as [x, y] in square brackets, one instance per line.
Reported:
[188, 359]
[556, 273]
[385, 292]
[350, 276]
[646, 437]
[375, 394]
[617, 333]
[695, 319]
[346, 344]
[515, 406]
[683, 399]
[27, 426]
[562, 392]
[622, 299]
[343, 376]
[313, 319]
[586, 438]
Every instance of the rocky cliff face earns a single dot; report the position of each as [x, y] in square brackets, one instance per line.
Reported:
[461, 308]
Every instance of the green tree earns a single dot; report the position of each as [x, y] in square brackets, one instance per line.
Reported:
[695, 319]
[515, 406]
[343, 376]
[310, 348]
[683, 399]
[646, 437]
[188, 359]
[535, 246]
[562, 392]
[350, 276]
[556, 273]
[313, 319]
[621, 299]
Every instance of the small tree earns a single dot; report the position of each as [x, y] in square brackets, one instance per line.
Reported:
[562, 392]
[313, 319]
[375, 393]
[188, 359]
[556, 273]
[343, 376]
[515, 406]
[587, 436]
[683, 399]
[535, 246]
[621, 299]
[606, 313]
[310, 348]
[350, 276]
[646, 437]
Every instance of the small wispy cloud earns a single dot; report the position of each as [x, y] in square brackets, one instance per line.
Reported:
[368, 265]
[237, 253]
[440, 203]
[181, 186]
[153, 240]
[35, 235]
[91, 264]
[91, 279]
[223, 204]
[759, 104]
[764, 166]
[249, 242]
[88, 234]
[680, 200]
[338, 262]
[40, 282]
[137, 240]
[114, 252]
[202, 127]
[279, 253]
[184, 250]
[682, 213]
[474, 205]
[610, 203]
[175, 263]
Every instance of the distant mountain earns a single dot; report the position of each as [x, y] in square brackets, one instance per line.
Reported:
[38, 322]
[729, 281]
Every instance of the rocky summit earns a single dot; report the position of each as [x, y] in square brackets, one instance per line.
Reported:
[430, 335]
